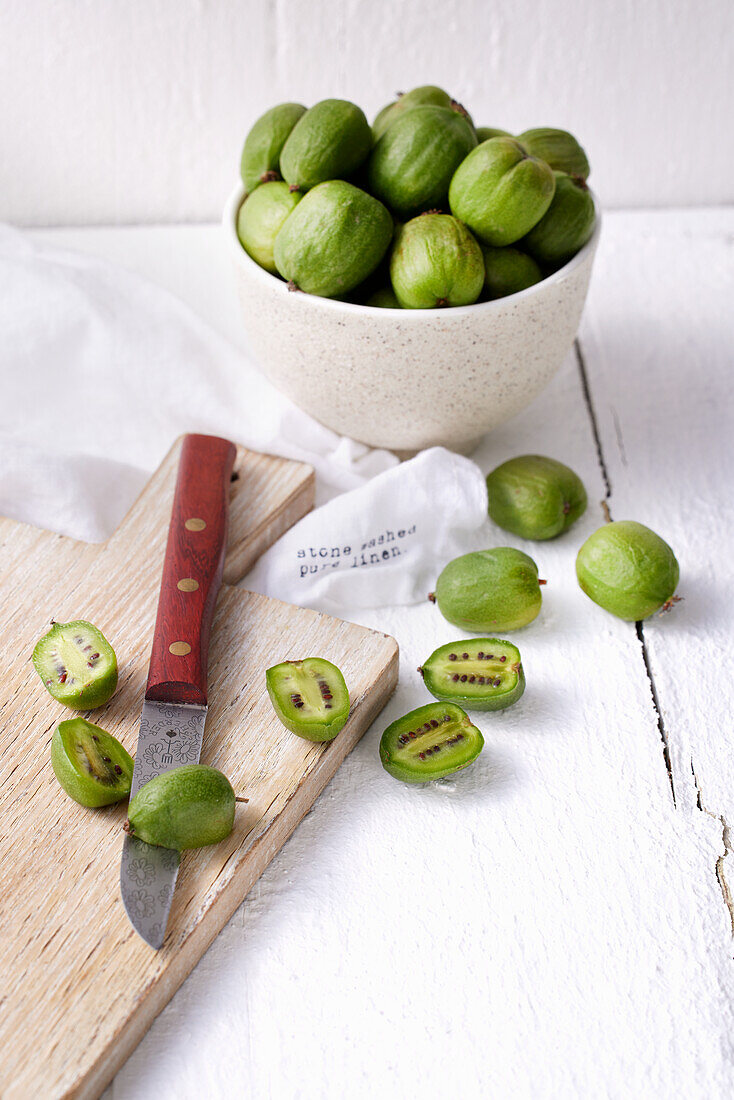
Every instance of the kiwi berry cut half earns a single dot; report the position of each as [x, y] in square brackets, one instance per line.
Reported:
[429, 743]
[310, 697]
[478, 674]
[77, 665]
[90, 764]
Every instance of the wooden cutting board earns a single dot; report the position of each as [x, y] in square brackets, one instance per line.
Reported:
[78, 987]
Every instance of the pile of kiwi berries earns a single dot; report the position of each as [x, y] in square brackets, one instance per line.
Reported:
[419, 211]
[624, 567]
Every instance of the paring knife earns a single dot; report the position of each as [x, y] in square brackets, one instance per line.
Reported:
[175, 706]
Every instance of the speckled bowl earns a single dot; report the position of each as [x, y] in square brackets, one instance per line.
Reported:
[413, 378]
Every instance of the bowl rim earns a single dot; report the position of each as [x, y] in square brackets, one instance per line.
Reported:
[229, 224]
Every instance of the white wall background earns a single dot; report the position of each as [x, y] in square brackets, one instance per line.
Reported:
[135, 111]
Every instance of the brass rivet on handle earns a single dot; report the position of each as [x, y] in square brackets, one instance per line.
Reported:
[195, 524]
[187, 584]
[179, 649]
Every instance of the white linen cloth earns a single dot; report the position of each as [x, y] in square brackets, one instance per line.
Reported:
[122, 367]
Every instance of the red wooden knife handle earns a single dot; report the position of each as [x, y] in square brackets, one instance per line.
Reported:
[192, 571]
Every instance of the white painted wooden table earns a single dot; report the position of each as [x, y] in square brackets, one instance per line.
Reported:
[556, 922]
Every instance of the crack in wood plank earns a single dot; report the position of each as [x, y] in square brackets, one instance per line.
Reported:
[726, 838]
[656, 704]
[586, 390]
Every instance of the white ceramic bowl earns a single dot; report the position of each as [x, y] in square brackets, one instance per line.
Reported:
[410, 378]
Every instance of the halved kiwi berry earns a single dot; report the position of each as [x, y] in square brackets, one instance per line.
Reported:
[430, 743]
[90, 764]
[77, 665]
[310, 697]
[480, 674]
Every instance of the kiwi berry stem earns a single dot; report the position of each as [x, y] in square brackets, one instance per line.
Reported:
[239, 798]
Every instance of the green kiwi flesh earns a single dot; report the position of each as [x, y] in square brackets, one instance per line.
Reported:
[476, 673]
[310, 697]
[77, 665]
[429, 743]
[90, 764]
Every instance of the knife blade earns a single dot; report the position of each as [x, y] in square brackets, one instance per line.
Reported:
[175, 706]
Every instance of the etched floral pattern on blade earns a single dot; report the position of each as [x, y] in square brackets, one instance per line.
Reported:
[141, 903]
[141, 871]
[169, 738]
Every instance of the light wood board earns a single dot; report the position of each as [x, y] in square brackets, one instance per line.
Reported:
[78, 987]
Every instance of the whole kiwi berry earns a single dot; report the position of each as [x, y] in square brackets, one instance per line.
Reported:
[566, 225]
[436, 262]
[500, 191]
[489, 590]
[508, 271]
[411, 165]
[484, 133]
[261, 218]
[535, 497]
[557, 148]
[425, 95]
[628, 570]
[333, 240]
[260, 162]
[187, 807]
[329, 142]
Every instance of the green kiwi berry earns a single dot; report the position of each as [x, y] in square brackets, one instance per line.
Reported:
[476, 673]
[628, 570]
[76, 664]
[535, 497]
[508, 271]
[426, 95]
[90, 764]
[310, 697]
[330, 141]
[484, 133]
[384, 297]
[557, 148]
[261, 218]
[489, 590]
[566, 225]
[263, 145]
[187, 807]
[411, 165]
[334, 239]
[430, 742]
[436, 262]
[500, 191]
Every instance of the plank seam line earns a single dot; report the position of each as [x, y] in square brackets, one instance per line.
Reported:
[656, 704]
[726, 839]
[586, 389]
[581, 361]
